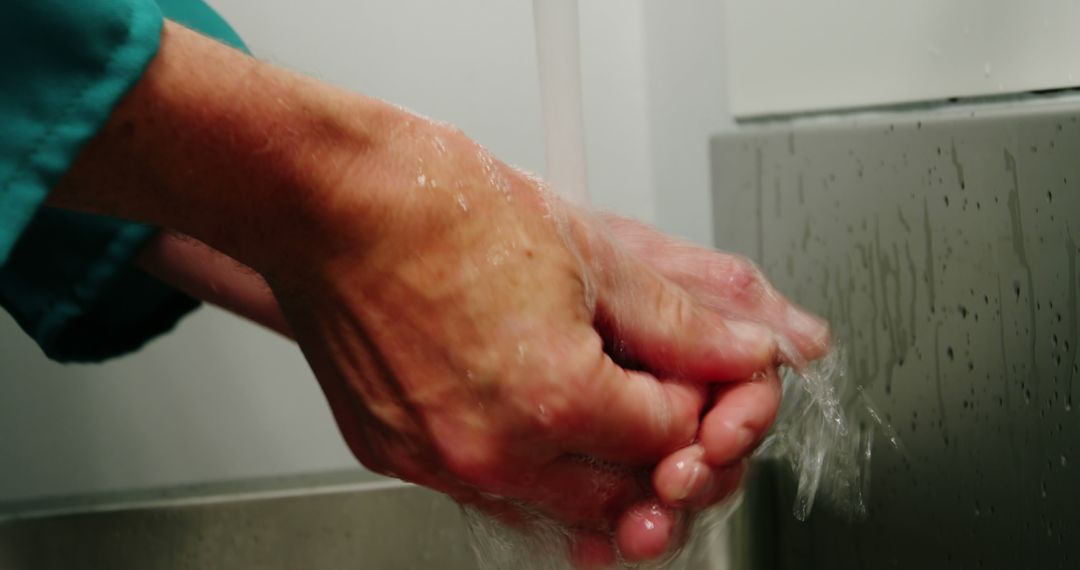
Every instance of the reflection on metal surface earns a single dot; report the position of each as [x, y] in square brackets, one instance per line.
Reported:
[944, 253]
[331, 521]
[384, 526]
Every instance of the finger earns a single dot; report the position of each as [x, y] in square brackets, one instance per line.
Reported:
[658, 324]
[727, 480]
[683, 477]
[724, 282]
[625, 416]
[646, 531]
[734, 286]
[739, 418]
[684, 480]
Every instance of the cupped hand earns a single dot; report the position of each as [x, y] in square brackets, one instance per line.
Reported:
[687, 479]
[740, 413]
[629, 287]
[462, 335]
[471, 332]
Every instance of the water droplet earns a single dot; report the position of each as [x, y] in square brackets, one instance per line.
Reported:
[440, 145]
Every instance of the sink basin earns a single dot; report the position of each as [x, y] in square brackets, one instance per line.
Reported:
[331, 521]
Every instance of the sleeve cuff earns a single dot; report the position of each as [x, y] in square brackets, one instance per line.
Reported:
[65, 98]
[70, 285]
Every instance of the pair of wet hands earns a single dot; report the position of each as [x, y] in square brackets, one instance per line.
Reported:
[487, 340]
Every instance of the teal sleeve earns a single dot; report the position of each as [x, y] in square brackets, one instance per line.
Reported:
[63, 66]
[66, 277]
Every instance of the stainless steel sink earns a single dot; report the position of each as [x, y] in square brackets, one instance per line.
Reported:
[337, 521]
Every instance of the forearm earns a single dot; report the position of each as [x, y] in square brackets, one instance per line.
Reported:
[222, 147]
[207, 274]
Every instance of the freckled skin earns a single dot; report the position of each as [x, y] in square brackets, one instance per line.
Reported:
[454, 312]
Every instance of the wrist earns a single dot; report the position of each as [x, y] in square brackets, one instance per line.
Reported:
[210, 142]
[269, 147]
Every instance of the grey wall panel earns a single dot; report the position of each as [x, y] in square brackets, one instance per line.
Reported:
[943, 250]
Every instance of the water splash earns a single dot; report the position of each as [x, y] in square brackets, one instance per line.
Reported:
[825, 431]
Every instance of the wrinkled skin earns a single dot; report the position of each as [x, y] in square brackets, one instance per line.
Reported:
[491, 342]
[460, 342]
[471, 332]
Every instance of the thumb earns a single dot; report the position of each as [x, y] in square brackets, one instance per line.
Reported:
[649, 321]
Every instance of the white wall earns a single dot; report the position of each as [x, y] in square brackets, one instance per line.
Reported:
[473, 63]
[687, 104]
[221, 399]
[217, 399]
[617, 130]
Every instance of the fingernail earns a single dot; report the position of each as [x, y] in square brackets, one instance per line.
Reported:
[695, 482]
[807, 326]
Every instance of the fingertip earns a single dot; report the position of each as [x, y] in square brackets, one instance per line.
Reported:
[810, 333]
[645, 531]
[726, 441]
[682, 478]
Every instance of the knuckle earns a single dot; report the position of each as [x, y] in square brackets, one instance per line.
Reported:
[675, 308]
[554, 413]
[475, 463]
[742, 278]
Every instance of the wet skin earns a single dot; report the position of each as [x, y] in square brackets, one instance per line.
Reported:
[472, 333]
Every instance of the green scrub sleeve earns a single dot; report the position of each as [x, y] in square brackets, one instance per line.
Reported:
[66, 277]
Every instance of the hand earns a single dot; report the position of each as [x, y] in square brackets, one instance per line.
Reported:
[459, 318]
[742, 412]
[711, 276]
[461, 340]
[684, 480]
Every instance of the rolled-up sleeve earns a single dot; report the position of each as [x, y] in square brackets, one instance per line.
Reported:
[66, 277]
